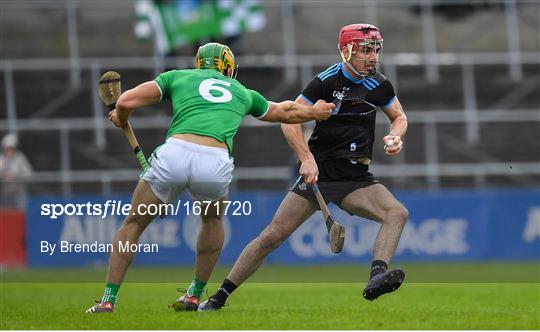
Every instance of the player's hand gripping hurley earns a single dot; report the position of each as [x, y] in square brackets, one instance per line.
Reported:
[109, 92]
[336, 231]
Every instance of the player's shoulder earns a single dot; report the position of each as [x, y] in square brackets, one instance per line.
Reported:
[214, 74]
[331, 71]
[195, 72]
[379, 77]
[378, 83]
[240, 87]
[175, 73]
[235, 82]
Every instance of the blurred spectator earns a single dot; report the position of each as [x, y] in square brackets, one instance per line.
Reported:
[14, 170]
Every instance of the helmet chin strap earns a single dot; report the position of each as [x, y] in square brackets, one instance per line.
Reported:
[348, 63]
[351, 67]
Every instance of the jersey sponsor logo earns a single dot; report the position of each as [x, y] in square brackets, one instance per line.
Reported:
[363, 113]
[341, 94]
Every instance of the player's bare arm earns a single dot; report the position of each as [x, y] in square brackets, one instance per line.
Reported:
[142, 95]
[293, 112]
[295, 137]
[398, 128]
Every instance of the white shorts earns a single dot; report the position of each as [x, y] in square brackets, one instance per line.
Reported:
[178, 165]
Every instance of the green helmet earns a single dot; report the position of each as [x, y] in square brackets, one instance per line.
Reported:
[216, 56]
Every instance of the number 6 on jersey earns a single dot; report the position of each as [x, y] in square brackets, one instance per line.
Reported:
[212, 84]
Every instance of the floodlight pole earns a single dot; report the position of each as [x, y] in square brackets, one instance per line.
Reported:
[512, 33]
[73, 40]
[430, 43]
[289, 41]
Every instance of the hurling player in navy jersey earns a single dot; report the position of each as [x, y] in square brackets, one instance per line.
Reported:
[337, 157]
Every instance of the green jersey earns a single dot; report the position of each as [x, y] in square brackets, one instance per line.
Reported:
[209, 104]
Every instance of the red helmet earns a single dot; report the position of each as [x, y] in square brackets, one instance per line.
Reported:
[352, 37]
[354, 33]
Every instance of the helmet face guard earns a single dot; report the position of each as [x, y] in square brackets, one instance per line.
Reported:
[360, 38]
[218, 57]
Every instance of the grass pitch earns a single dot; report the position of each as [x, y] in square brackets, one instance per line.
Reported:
[32, 303]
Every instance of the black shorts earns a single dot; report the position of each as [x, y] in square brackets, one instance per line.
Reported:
[337, 179]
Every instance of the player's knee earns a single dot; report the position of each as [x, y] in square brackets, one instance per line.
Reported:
[399, 214]
[271, 238]
[404, 213]
[267, 242]
[133, 224]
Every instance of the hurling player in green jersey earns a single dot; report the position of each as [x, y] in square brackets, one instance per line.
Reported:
[208, 106]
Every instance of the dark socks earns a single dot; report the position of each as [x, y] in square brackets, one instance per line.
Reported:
[378, 267]
[226, 289]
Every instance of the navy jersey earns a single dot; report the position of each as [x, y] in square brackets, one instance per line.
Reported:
[350, 130]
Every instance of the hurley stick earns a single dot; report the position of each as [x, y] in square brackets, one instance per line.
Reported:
[109, 92]
[336, 231]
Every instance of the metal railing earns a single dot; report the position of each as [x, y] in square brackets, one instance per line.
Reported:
[432, 168]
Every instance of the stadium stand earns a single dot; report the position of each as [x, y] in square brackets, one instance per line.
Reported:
[45, 95]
